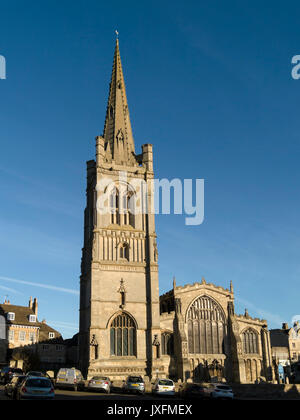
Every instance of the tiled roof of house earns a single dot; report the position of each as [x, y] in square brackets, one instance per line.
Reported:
[279, 338]
[21, 315]
[44, 334]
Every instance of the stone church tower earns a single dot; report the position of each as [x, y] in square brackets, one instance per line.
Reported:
[119, 293]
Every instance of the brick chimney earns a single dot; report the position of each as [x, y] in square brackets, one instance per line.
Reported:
[30, 302]
[35, 306]
[285, 326]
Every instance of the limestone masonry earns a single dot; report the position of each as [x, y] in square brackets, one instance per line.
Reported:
[125, 327]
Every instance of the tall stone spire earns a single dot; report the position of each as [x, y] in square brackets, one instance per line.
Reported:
[119, 143]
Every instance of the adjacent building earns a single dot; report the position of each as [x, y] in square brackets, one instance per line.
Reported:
[202, 338]
[125, 327]
[24, 331]
[285, 344]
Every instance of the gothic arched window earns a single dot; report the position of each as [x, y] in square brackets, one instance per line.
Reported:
[124, 251]
[206, 327]
[167, 343]
[123, 336]
[115, 206]
[250, 342]
[128, 210]
[122, 207]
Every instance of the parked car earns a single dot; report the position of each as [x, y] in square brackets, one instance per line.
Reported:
[36, 374]
[35, 388]
[222, 392]
[11, 388]
[7, 374]
[99, 383]
[163, 387]
[196, 390]
[134, 384]
[70, 378]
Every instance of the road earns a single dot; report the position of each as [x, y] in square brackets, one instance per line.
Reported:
[84, 395]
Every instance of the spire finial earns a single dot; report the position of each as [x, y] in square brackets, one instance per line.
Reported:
[117, 33]
[231, 286]
[174, 282]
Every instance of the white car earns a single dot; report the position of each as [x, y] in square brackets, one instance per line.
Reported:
[222, 392]
[163, 387]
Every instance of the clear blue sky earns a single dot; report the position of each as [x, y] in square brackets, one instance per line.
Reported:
[209, 84]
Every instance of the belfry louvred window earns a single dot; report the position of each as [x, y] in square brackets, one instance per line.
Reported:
[123, 336]
[115, 207]
[121, 207]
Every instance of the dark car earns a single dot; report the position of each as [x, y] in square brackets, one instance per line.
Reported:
[196, 391]
[36, 374]
[7, 374]
[11, 388]
[3, 373]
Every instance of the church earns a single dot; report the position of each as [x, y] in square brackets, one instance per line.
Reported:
[126, 327]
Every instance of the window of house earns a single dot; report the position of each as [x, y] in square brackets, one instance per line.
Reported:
[22, 336]
[59, 348]
[10, 316]
[32, 318]
[11, 335]
[32, 337]
[45, 347]
[51, 335]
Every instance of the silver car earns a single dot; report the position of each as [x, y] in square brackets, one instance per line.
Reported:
[99, 383]
[36, 387]
[134, 384]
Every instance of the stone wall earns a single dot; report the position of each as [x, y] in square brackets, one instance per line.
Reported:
[266, 391]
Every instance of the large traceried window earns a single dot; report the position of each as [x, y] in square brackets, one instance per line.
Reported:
[123, 336]
[250, 342]
[206, 327]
